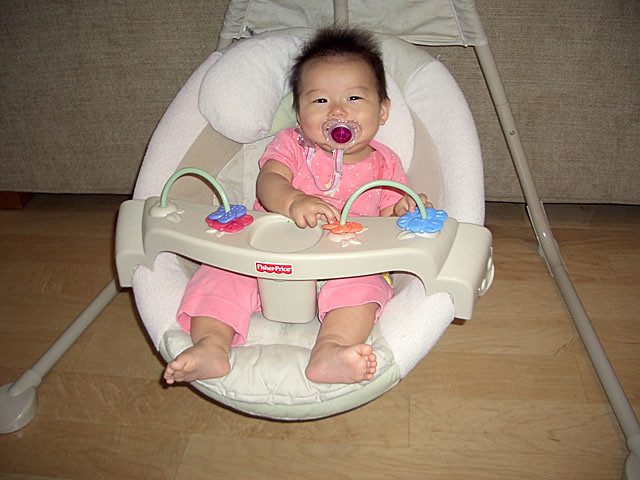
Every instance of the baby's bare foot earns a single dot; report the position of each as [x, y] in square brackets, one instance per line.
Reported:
[335, 363]
[203, 360]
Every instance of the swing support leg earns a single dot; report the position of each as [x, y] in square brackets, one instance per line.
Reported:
[548, 248]
[19, 400]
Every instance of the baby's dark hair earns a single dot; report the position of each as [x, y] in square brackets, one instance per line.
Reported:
[336, 42]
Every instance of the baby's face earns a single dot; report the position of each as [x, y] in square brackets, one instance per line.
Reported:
[342, 88]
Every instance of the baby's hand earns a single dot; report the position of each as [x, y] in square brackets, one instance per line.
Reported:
[305, 210]
[407, 204]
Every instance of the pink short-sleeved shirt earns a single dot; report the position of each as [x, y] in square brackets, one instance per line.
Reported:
[381, 164]
[232, 298]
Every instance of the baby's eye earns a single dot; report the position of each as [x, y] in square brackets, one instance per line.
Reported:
[353, 98]
[320, 100]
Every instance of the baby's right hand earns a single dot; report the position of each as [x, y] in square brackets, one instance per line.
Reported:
[305, 210]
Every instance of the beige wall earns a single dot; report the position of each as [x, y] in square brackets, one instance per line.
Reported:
[84, 83]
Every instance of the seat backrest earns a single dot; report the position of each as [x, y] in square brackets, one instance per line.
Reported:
[244, 99]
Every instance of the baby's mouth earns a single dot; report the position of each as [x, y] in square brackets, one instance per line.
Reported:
[341, 133]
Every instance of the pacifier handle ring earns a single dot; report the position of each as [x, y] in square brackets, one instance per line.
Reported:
[382, 183]
[200, 173]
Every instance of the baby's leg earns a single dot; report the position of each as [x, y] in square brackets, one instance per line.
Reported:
[209, 356]
[340, 354]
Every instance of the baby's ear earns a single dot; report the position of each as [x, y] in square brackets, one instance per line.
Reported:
[385, 106]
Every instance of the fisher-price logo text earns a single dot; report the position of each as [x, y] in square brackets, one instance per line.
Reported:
[277, 268]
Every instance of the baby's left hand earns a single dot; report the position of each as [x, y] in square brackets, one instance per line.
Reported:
[407, 204]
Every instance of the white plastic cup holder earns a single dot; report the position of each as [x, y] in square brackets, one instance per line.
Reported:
[278, 234]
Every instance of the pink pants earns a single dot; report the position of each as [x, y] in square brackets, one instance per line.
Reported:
[232, 298]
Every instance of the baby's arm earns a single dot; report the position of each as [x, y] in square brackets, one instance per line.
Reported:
[276, 194]
[404, 205]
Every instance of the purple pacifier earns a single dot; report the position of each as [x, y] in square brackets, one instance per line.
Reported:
[340, 133]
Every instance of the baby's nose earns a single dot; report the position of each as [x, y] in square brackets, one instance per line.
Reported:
[337, 110]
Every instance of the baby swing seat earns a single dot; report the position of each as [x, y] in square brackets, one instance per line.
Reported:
[220, 122]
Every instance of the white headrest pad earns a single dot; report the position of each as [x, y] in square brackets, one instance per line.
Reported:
[242, 91]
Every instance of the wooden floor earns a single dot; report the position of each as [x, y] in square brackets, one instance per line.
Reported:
[510, 394]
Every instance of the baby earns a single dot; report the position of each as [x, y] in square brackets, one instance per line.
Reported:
[338, 79]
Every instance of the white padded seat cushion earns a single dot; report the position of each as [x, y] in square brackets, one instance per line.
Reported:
[267, 378]
[410, 324]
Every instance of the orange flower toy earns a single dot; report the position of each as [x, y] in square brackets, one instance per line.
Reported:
[345, 234]
[348, 227]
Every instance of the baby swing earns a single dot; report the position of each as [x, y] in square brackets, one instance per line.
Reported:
[267, 375]
[220, 122]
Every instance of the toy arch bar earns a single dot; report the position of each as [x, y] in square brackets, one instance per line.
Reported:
[343, 219]
[194, 171]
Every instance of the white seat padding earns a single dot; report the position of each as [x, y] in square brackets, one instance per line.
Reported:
[267, 377]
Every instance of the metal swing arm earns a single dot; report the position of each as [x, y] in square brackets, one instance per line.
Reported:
[19, 400]
[549, 249]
